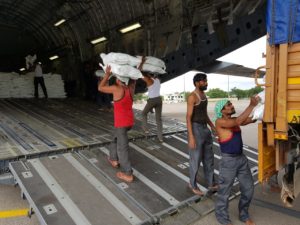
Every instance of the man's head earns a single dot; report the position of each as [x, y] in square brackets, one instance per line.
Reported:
[119, 82]
[200, 81]
[223, 107]
[150, 75]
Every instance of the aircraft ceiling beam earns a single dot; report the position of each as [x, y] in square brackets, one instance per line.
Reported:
[206, 48]
[175, 30]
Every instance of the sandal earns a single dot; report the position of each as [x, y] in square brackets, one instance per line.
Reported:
[125, 177]
[113, 163]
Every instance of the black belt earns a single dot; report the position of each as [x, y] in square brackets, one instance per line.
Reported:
[231, 155]
[155, 97]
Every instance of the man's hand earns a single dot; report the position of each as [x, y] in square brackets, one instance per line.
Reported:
[192, 143]
[214, 131]
[103, 84]
[143, 59]
[108, 70]
[142, 63]
[253, 101]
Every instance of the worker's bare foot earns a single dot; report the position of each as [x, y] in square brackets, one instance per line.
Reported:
[249, 222]
[196, 190]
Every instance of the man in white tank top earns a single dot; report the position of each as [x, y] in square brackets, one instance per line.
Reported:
[154, 101]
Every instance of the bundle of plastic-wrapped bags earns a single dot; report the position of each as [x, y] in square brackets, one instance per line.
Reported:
[258, 112]
[30, 60]
[124, 66]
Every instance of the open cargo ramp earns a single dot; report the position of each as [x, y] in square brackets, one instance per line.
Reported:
[81, 187]
[57, 153]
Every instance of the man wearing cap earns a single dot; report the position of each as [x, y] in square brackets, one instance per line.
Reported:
[199, 136]
[233, 162]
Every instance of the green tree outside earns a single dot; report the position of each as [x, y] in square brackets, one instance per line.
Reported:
[216, 93]
[238, 93]
[139, 97]
[254, 91]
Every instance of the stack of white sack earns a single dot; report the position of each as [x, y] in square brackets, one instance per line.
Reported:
[258, 112]
[123, 72]
[30, 60]
[153, 65]
[120, 59]
[55, 85]
[122, 66]
[5, 84]
[13, 85]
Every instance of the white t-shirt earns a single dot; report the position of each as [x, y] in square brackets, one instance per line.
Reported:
[154, 89]
[38, 72]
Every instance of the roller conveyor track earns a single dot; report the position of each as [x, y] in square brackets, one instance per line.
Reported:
[29, 127]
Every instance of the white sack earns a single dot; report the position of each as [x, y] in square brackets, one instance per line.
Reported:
[119, 58]
[30, 60]
[99, 73]
[261, 96]
[154, 61]
[258, 112]
[124, 71]
[153, 69]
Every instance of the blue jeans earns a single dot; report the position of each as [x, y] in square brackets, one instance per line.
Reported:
[119, 149]
[203, 153]
[231, 167]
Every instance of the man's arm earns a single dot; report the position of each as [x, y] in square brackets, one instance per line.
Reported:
[245, 115]
[145, 78]
[149, 81]
[212, 126]
[142, 63]
[248, 121]
[103, 85]
[241, 119]
[189, 114]
[131, 86]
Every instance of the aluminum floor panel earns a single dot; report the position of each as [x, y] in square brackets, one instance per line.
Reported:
[44, 117]
[147, 198]
[70, 136]
[39, 195]
[163, 177]
[76, 191]
[80, 183]
[177, 161]
[68, 120]
[40, 136]
[20, 117]
[8, 151]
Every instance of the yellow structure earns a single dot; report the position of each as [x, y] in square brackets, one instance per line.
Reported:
[282, 107]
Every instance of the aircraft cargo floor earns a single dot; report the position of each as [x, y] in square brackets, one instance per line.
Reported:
[57, 152]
